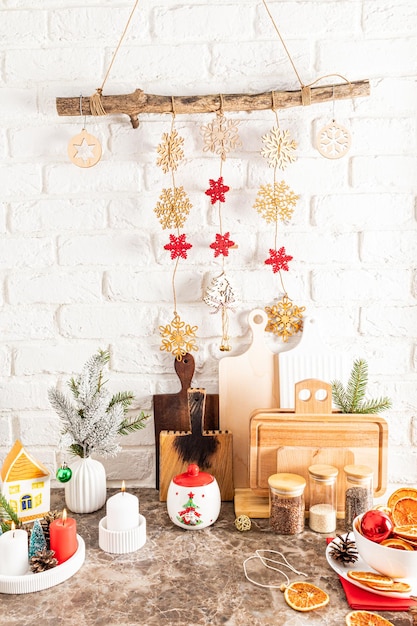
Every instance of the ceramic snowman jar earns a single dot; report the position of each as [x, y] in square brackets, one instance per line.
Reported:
[193, 499]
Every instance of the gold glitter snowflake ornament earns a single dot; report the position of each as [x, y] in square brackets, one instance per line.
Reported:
[173, 207]
[275, 202]
[279, 148]
[221, 136]
[170, 151]
[178, 337]
[285, 319]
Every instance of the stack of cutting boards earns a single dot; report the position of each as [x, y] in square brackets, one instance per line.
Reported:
[292, 441]
[268, 439]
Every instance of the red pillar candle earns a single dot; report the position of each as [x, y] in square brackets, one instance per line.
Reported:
[63, 537]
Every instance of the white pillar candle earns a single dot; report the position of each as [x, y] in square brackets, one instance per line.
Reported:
[122, 511]
[14, 558]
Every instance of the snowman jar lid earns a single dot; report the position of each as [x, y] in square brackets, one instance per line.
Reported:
[193, 477]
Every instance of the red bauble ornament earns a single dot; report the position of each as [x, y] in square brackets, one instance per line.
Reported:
[376, 525]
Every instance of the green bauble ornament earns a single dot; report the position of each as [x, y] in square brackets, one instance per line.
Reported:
[64, 473]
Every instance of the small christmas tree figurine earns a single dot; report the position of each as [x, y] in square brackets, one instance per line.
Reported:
[96, 418]
[189, 515]
[37, 541]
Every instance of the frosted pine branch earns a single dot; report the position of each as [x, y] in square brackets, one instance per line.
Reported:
[94, 420]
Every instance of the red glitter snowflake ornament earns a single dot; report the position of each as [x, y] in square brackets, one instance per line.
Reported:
[217, 190]
[222, 244]
[178, 246]
[278, 259]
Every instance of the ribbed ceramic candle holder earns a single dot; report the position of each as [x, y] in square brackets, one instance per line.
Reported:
[122, 541]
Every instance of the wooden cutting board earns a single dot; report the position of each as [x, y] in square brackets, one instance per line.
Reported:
[246, 382]
[171, 409]
[309, 359]
[210, 450]
[291, 441]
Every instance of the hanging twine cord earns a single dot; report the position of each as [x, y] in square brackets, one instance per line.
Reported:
[96, 104]
[265, 560]
[305, 89]
[283, 43]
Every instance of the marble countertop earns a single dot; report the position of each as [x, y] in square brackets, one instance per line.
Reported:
[183, 577]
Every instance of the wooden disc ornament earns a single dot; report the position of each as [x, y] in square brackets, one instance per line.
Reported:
[333, 140]
[84, 150]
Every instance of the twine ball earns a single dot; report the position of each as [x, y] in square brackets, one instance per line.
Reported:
[243, 523]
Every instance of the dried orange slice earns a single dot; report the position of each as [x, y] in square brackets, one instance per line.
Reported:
[384, 508]
[403, 492]
[408, 531]
[404, 512]
[397, 587]
[365, 618]
[398, 544]
[305, 596]
[370, 578]
[400, 587]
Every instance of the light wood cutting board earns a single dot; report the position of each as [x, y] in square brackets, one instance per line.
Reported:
[246, 382]
[290, 442]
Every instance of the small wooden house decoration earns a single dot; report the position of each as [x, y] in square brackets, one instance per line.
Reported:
[25, 483]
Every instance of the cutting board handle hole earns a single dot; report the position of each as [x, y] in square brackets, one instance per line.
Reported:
[305, 395]
[258, 319]
[320, 395]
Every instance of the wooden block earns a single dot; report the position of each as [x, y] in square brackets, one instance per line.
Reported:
[219, 464]
[210, 450]
[248, 503]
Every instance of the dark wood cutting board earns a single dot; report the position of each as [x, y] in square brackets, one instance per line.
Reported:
[171, 409]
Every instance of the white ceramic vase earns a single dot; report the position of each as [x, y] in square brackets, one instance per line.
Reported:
[85, 492]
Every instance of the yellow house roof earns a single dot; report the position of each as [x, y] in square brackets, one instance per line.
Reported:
[20, 465]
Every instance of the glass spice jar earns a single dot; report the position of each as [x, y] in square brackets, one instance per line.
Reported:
[358, 492]
[323, 498]
[287, 506]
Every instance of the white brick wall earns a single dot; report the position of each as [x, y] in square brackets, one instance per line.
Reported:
[82, 264]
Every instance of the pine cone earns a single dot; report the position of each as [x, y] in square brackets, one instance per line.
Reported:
[343, 550]
[46, 520]
[43, 560]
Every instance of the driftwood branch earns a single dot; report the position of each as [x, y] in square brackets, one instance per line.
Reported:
[138, 102]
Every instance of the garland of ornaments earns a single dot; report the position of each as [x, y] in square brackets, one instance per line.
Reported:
[172, 210]
[276, 203]
[220, 137]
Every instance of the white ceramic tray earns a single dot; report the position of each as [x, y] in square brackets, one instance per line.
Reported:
[361, 566]
[31, 582]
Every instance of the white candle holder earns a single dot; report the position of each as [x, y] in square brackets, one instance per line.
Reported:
[122, 541]
[31, 582]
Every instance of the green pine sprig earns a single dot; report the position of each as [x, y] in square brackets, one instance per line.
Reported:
[352, 398]
[130, 425]
[7, 514]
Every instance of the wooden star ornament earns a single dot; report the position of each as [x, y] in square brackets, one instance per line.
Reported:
[178, 246]
[278, 259]
[222, 244]
[217, 190]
